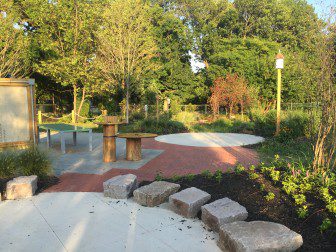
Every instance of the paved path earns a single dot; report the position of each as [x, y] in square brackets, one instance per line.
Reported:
[84, 171]
[90, 222]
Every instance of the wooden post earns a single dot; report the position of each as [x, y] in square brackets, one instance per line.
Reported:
[109, 141]
[39, 117]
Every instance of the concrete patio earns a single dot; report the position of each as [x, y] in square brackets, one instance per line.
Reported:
[90, 222]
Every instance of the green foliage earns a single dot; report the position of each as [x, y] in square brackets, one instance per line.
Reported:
[218, 176]
[151, 125]
[239, 169]
[15, 48]
[159, 177]
[176, 178]
[225, 126]
[186, 118]
[253, 175]
[326, 224]
[31, 161]
[270, 196]
[207, 174]
[190, 177]
[302, 212]
[294, 124]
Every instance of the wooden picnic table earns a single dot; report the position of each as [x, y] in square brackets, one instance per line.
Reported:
[109, 140]
[63, 128]
[133, 144]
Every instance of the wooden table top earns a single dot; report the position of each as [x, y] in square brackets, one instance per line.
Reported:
[109, 123]
[137, 135]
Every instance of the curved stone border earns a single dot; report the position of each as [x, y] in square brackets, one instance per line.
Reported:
[210, 139]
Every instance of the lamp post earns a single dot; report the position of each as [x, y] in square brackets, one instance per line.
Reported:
[279, 66]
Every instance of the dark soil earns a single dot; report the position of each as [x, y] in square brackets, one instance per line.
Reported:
[42, 183]
[240, 188]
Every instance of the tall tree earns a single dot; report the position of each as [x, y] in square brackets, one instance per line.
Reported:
[126, 45]
[14, 44]
[63, 31]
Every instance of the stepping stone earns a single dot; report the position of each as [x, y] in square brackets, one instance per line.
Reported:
[189, 201]
[21, 187]
[155, 193]
[120, 187]
[222, 211]
[258, 236]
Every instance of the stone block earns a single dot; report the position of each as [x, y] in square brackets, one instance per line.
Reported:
[222, 211]
[189, 201]
[258, 236]
[155, 193]
[120, 187]
[21, 187]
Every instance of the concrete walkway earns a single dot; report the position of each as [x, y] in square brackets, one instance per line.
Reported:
[91, 222]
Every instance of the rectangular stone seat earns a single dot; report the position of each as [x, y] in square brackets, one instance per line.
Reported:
[155, 193]
[21, 187]
[189, 201]
[120, 187]
[261, 236]
[222, 211]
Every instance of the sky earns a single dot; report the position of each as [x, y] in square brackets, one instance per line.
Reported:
[322, 6]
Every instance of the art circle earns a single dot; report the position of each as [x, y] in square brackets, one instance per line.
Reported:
[210, 139]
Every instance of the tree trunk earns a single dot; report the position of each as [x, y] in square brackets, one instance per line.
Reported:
[75, 101]
[82, 101]
[127, 98]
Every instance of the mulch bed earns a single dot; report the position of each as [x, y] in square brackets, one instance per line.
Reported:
[42, 183]
[240, 188]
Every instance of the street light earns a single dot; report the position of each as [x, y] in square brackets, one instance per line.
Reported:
[279, 65]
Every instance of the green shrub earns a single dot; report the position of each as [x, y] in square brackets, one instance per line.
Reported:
[31, 161]
[294, 125]
[137, 116]
[186, 117]
[151, 125]
[264, 124]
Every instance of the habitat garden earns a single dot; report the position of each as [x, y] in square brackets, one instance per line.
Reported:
[173, 67]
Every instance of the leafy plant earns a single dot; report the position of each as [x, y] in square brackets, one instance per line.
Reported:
[31, 161]
[253, 175]
[159, 177]
[207, 174]
[270, 196]
[218, 176]
[239, 169]
[326, 224]
[302, 212]
[190, 177]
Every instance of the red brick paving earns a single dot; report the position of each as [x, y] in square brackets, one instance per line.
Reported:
[175, 160]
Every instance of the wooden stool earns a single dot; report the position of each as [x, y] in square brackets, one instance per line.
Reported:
[133, 144]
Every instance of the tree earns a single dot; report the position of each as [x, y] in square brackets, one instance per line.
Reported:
[126, 47]
[63, 32]
[325, 148]
[14, 44]
[230, 92]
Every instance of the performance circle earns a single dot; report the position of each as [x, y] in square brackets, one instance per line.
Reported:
[210, 139]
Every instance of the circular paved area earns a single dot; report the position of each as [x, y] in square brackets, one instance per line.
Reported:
[210, 139]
